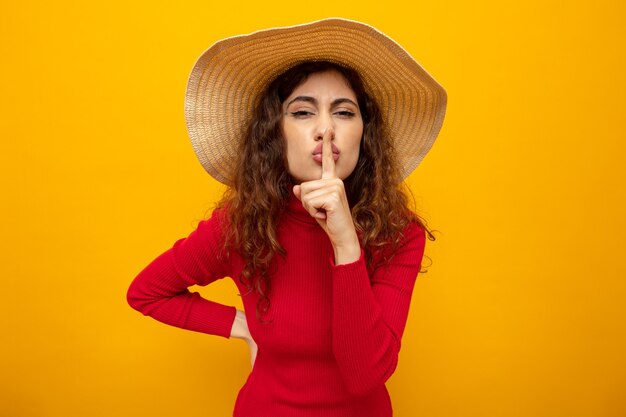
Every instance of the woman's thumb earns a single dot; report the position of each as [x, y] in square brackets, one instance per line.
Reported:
[296, 191]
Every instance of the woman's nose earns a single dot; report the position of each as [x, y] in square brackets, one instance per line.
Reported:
[325, 123]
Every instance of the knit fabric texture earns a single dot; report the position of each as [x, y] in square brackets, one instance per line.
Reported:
[334, 331]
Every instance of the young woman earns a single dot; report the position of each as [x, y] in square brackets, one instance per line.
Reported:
[313, 127]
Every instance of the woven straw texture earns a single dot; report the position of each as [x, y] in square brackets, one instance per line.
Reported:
[227, 79]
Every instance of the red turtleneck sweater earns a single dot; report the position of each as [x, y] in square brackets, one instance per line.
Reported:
[335, 330]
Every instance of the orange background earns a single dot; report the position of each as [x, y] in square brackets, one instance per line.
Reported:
[522, 311]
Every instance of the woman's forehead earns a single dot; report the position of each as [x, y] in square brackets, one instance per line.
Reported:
[326, 84]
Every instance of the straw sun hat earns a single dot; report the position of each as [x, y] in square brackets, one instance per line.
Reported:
[228, 78]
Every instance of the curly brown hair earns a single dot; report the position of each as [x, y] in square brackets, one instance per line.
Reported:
[261, 182]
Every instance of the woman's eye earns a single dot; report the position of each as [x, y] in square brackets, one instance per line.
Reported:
[345, 113]
[301, 113]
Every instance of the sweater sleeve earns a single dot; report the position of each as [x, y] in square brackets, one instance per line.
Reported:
[161, 288]
[369, 319]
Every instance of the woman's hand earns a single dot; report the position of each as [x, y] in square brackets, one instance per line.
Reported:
[240, 331]
[326, 201]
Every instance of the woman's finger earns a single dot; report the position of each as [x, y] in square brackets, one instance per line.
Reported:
[328, 161]
[310, 186]
[324, 202]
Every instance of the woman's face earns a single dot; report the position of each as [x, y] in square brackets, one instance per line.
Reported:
[324, 101]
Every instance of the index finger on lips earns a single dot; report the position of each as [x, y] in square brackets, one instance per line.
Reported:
[328, 162]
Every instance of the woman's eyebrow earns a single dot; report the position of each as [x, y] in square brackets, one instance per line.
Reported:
[344, 100]
[313, 100]
[307, 99]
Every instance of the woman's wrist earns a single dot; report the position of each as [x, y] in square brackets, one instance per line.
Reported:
[347, 253]
[240, 326]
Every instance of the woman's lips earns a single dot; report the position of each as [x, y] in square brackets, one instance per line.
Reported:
[317, 152]
[317, 157]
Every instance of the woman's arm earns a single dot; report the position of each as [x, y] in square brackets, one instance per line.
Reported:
[160, 290]
[240, 331]
[369, 319]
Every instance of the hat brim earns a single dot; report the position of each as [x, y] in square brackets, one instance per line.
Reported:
[227, 79]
